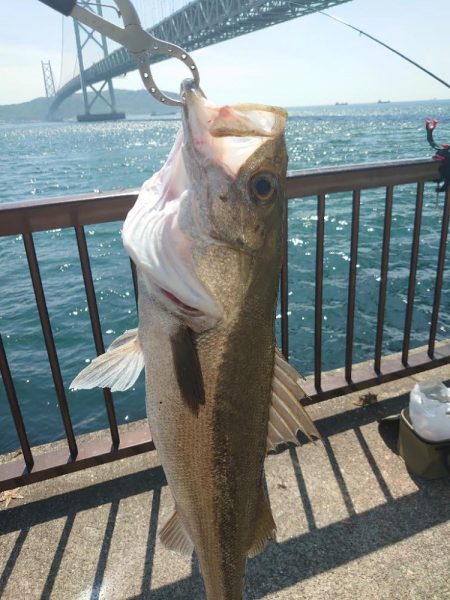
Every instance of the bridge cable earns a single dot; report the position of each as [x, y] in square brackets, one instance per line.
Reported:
[62, 53]
[75, 67]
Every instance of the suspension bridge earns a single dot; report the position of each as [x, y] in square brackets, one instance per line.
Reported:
[195, 25]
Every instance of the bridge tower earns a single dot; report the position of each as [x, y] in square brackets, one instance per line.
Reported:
[49, 82]
[104, 91]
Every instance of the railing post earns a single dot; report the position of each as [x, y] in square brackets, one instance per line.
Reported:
[135, 283]
[412, 274]
[15, 408]
[95, 324]
[319, 292]
[284, 286]
[439, 275]
[49, 341]
[352, 286]
[383, 277]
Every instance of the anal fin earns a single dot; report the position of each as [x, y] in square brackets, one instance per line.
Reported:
[287, 416]
[175, 537]
[265, 528]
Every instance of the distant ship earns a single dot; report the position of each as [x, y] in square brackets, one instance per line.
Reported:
[341, 103]
[384, 101]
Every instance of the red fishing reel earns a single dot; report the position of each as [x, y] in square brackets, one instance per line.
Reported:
[442, 155]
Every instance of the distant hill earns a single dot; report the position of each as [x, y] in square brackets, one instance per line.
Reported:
[131, 102]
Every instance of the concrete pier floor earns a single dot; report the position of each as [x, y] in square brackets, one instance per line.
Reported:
[352, 523]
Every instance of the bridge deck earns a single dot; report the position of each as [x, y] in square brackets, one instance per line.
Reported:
[200, 23]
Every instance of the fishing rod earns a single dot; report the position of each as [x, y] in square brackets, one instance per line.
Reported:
[374, 39]
[443, 150]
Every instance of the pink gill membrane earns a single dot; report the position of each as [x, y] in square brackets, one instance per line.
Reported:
[179, 303]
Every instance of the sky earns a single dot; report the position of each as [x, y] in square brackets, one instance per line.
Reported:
[311, 60]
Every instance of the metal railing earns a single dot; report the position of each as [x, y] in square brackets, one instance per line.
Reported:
[355, 179]
[26, 218]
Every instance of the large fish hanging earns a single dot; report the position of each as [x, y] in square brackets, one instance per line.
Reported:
[206, 237]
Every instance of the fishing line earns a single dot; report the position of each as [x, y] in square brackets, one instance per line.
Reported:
[374, 39]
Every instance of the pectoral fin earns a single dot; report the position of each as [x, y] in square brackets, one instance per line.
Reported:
[187, 368]
[117, 369]
[175, 537]
[265, 526]
[287, 416]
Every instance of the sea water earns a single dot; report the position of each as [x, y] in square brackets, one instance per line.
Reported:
[40, 160]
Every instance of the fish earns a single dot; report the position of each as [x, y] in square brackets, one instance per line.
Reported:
[206, 236]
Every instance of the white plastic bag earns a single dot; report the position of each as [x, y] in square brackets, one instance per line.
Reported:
[429, 410]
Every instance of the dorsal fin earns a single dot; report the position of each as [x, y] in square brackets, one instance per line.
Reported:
[118, 368]
[287, 416]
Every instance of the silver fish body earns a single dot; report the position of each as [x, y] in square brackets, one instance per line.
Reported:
[206, 237]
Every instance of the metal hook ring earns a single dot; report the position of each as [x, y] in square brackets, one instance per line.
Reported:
[170, 51]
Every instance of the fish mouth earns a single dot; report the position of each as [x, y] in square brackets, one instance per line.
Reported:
[226, 135]
[156, 234]
[188, 90]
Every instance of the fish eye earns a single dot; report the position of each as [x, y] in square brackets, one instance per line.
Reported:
[263, 186]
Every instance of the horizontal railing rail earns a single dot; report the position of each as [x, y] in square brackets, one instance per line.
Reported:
[88, 209]
[27, 218]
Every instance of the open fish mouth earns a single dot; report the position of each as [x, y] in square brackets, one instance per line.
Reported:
[227, 135]
[155, 232]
